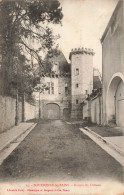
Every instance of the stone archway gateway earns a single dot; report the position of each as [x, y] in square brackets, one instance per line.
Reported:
[115, 101]
[52, 111]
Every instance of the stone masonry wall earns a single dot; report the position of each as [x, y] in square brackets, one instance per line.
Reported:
[8, 112]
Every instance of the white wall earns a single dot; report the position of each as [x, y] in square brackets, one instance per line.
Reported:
[85, 110]
[93, 110]
[96, 110]
[31, 111]
[112, 55]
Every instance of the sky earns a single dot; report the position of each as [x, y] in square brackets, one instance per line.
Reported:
[83, 25]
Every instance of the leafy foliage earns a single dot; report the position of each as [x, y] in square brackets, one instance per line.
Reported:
[25, 35]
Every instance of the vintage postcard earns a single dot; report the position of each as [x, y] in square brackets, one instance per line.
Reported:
[61, 97]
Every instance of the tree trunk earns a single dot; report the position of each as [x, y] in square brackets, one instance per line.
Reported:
[39, 106]
[17, 108]
[23, 107]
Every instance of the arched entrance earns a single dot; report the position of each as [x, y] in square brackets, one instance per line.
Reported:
[115, 102]
[52, 111]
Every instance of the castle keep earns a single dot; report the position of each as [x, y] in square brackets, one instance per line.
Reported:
[81, 78]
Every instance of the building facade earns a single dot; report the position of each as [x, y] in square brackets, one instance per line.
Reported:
[68, 85]
[113, 68]
[55, 102]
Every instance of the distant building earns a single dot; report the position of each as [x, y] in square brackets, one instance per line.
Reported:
[113, 68]
[68, 84]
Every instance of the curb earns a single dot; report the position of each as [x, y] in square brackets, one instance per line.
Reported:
[16, 137]
[105, 141]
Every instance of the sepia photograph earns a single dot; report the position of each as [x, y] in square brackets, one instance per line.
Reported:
[61, 97]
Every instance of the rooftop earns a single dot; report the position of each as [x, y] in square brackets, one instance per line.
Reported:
[111, 19]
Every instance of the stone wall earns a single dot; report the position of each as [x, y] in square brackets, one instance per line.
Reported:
[8, 112]
[96, 110]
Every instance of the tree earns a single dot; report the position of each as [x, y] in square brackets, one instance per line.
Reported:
[26, 34]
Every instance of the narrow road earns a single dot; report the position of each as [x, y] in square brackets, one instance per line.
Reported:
[57, 151]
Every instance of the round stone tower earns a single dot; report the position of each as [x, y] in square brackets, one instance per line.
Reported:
[81, 78]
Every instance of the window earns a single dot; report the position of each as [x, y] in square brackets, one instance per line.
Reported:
[48, 87]
[66, 84]
[66, 89]
[76, 101]
[77, 85]
[77, 71]
[52, 87]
